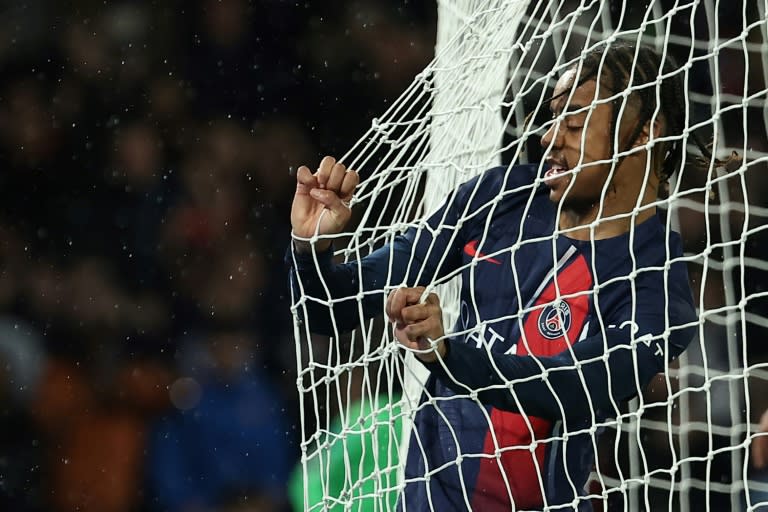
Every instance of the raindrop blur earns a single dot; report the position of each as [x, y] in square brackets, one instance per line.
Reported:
[185, 393]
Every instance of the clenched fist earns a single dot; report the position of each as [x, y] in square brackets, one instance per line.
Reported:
[417, 323]
[321, 202]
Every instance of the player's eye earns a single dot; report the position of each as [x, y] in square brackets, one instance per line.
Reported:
[573, 122]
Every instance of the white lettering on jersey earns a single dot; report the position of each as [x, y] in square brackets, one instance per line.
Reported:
[494, 337]
[487, 336]
[634, 326]
[477, 337]
[584, 331]
[645, 339]
[484, 335]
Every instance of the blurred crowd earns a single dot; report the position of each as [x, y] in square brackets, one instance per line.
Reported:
[146, 349]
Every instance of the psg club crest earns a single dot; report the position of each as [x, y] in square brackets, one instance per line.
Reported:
[555, 320]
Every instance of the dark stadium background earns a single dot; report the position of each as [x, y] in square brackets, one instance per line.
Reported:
[147, 359]
[144, 200]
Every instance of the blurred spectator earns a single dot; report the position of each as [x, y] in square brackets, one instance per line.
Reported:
[96, 433]
[95, 393]
[226, 445]
[21, 449]
[242, 56]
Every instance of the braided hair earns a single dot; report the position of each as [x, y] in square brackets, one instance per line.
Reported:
[644, 66]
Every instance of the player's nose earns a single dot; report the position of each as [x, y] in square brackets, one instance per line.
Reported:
[553, 136]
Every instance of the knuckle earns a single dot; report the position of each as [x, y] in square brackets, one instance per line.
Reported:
[413, 313]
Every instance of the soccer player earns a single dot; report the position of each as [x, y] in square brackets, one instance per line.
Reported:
[573, 293]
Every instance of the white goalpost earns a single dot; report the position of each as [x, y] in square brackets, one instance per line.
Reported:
[684, 443]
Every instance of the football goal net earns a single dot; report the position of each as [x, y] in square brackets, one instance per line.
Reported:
[685, 442]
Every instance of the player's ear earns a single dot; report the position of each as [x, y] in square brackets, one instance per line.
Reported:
[651, 127]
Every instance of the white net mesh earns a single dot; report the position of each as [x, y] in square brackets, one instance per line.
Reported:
[685, 442]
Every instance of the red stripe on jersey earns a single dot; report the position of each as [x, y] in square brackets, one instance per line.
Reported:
[511, 430]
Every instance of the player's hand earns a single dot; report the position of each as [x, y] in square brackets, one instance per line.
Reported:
[328, 190]
[760, 444]
[416, 322]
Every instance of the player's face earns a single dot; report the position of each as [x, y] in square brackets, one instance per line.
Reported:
[578, 147]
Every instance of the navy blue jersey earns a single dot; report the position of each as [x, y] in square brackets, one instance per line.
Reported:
[554, 334]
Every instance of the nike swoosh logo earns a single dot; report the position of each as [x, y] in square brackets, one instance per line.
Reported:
[471, 249]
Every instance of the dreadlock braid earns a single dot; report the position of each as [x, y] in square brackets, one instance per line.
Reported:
[622, 61]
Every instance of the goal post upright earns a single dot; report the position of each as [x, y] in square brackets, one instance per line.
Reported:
[470, 141]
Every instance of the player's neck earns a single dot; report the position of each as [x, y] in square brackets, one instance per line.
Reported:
[618, 212]
[614, 219]
[580, 228]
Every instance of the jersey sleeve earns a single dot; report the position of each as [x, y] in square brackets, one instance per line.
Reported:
[595, 374]
[338, 297]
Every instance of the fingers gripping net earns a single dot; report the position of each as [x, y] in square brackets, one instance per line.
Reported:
[685, 442]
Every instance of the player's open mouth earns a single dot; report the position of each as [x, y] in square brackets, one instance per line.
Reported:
[554, 172]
